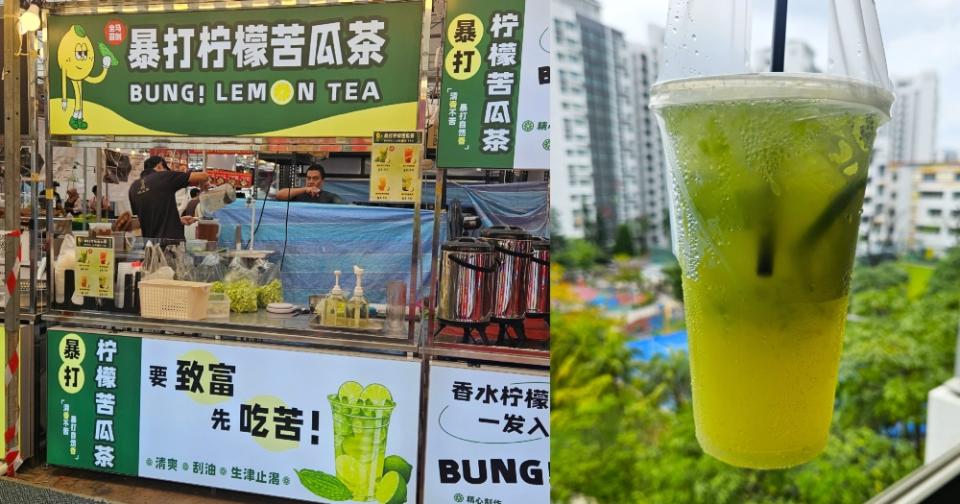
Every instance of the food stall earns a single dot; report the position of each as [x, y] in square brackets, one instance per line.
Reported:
[488, 338]
[151, 374]
[179, 364]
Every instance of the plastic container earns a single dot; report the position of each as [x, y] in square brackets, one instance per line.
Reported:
[208, 229]
[98, 229]
[218, 306]
[767, 163]
[196, 245]
[174, 299]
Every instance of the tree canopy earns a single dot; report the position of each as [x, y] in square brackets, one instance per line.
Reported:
[623, 428]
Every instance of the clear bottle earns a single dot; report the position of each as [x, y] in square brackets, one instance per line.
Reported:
[335, 305]
[358, 309]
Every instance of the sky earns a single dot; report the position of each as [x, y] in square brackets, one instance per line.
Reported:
[919, 35]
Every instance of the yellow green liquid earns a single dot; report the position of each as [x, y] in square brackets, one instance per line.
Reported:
[360, 443]
[767, 198]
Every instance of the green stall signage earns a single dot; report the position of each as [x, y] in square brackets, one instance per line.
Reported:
[282, 72]
[495, 98]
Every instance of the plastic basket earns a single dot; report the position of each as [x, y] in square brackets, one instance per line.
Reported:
[219, 306]
[174, 299]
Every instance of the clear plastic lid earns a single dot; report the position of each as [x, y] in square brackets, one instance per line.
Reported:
[719, 38]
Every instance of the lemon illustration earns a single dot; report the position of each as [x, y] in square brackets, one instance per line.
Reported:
[281, 92]
[76, 60]
[351, 474]
[349, 392]
[377, 394]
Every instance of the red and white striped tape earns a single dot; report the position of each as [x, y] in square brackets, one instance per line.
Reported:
[12, 460]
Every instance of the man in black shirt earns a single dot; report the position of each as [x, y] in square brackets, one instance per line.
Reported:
[313, 191]
[153, 199]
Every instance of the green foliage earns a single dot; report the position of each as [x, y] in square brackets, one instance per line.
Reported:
[623, 430]
[598, 416]
[857, 464]
[643, 226]
[579, 254]
[946, 276]
[666, 376]
[623, 243]
[879, 303]
[885, 276]
[920, 275]
[675, 277]
[628, 272]
[894, 356]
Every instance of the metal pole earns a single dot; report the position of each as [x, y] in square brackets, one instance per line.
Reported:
[101, 190]
[48, 169]
[34, 179]
[86, 185]
[414, 287]
[440, 198]
[11, 186]
[34, 221]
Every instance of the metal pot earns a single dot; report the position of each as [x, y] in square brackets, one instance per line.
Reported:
[467, 270]
[514, 247]
[538, 280]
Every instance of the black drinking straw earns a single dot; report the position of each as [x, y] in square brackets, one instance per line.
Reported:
[765, 247]
[779, 36]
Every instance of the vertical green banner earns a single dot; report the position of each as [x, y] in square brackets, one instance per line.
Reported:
[494, 101]
[482, 55]
[93, 403]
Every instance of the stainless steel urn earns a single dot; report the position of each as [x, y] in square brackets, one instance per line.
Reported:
[538, 280]
[513, 247]
[467, 270]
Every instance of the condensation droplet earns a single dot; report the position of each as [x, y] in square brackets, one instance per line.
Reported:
[693, 36]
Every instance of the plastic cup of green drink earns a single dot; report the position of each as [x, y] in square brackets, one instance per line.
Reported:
[768, 174]
[360, 426]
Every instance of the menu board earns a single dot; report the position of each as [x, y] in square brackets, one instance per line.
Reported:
[95, 267]
[395, 166]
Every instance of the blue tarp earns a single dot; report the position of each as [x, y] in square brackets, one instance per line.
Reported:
[324, 238]
[648, 348]
[524, 204]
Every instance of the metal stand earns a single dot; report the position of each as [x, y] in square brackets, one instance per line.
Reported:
[504, 334]
[468, 329]
[545, 317]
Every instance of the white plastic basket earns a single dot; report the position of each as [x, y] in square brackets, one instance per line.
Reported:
[174, 299]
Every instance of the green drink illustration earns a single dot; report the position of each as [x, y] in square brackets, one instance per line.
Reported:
[361, 417]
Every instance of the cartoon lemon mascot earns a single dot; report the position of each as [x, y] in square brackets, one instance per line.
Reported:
[75, 57]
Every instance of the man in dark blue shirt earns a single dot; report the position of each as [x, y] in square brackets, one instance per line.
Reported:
[313, 191]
